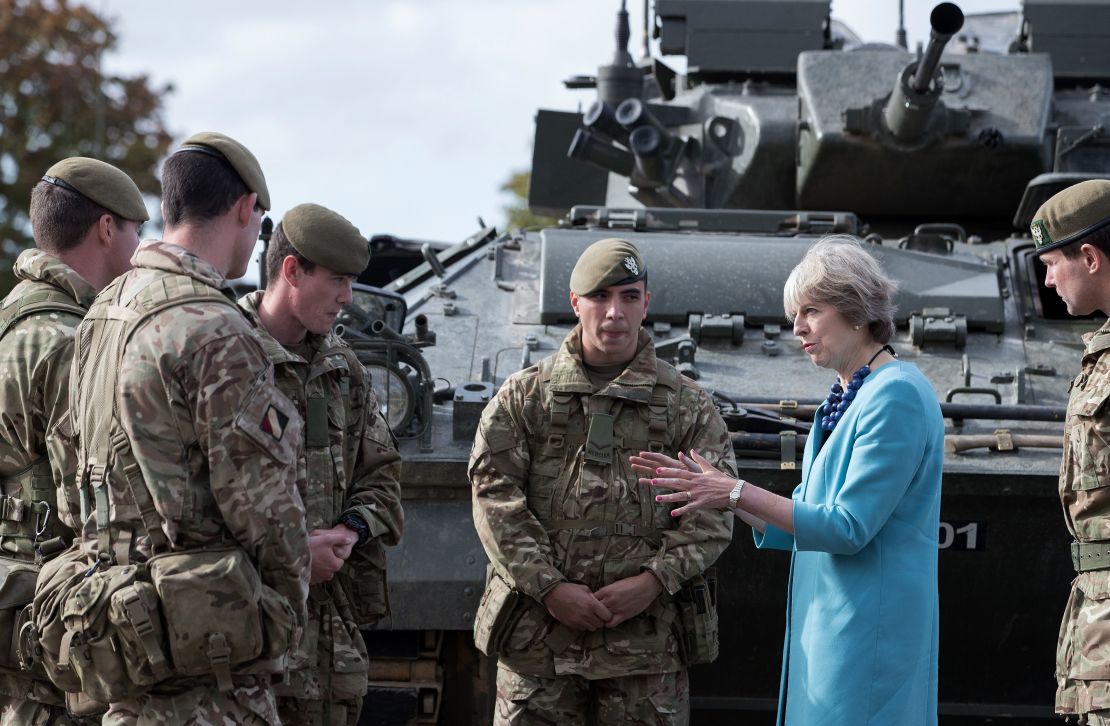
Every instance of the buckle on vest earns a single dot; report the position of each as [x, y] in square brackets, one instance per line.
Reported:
[557, 441]
[219, 656]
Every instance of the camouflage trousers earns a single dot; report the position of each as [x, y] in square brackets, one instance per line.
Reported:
[657, 699]
[1082, 658]
[251, 704]
[32, 702]
[300, 712]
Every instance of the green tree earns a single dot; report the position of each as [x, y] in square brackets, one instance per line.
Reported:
[517, 213]
[55, 101]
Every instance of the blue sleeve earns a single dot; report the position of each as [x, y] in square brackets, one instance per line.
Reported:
[888, 449]
[773, 538]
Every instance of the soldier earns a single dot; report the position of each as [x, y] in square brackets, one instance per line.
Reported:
[1072, 235]
[85, 216]
[583, 606]
[187, 451]
[348, 466]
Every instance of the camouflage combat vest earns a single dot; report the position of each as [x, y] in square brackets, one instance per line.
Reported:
[577, 421]
[105, 458]
[29, 526]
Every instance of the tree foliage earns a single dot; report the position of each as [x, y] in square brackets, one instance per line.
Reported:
[55, 101]
[517, 213]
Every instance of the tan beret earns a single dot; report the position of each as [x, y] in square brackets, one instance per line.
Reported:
[606, 263]
[326, 238]
[101, 183]
[1072, 214]
[240, 158]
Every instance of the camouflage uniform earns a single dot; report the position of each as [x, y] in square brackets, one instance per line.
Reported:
[546, 515]
[348, 464]
[214, 441]
[1082, 654]
[36, 446]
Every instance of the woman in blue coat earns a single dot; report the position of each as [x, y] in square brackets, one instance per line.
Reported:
[862, 613]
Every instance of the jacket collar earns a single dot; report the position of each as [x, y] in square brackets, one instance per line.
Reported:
[37, 266]
[635, 382]
[165, 256]
[1098, 340]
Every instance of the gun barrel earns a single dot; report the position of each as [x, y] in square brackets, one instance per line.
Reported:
[647, 145]
[945, 21]
[383, 330]
[600, 118]
[587, 147]
[910, 107]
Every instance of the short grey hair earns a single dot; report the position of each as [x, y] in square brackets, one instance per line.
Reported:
[837, 271]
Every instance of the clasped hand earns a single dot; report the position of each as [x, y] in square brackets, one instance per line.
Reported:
[577, 607]
[697, 484]
[328, 550]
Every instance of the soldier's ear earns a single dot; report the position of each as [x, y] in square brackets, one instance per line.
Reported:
[290, 271]
[244, 208]
[574, 303]
[1093, 258]
[105, 226]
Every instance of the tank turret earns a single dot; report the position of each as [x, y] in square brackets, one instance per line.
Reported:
[919, 86]
[781, 127]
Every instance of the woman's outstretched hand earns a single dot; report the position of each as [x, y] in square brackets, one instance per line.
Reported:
[696, 483]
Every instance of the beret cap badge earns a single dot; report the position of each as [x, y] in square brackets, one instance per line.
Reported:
[1040, 235]
[631, 266]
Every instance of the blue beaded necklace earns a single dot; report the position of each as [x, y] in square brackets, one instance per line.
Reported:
[839, 399]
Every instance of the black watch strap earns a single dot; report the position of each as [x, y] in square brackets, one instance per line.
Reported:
[358, 525]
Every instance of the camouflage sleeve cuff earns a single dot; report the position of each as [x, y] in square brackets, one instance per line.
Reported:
[542, 583]
[670, 580]
[376, 526]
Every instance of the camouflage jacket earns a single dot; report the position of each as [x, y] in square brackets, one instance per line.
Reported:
[348, 462]
[547, 514]
[35, 355]
[1083, 659]
[37, 461]
[193, 392]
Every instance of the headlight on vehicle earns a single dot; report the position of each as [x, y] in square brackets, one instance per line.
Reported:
[396, 398]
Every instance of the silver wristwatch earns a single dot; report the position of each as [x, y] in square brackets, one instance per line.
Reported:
[734, 495]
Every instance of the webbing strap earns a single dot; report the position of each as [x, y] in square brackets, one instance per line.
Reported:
[133, 475]
[601, 528]
[219, 657]
[15, 509]
[138, 615]
[38, 302]
[99, 486]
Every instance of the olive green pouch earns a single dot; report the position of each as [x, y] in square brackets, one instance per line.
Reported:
[497, 613]
[47, 634]
[210, 599]
[92, 642]
[698, 627]
[17, 590]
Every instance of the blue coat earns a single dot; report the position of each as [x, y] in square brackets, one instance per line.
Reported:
[862, 615]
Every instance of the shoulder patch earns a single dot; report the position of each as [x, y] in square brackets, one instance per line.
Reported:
[273, 422]
[270, 421]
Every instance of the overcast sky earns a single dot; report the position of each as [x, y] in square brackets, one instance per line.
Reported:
[404, 117]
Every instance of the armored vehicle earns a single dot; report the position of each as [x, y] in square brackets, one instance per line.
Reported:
[782, 127]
